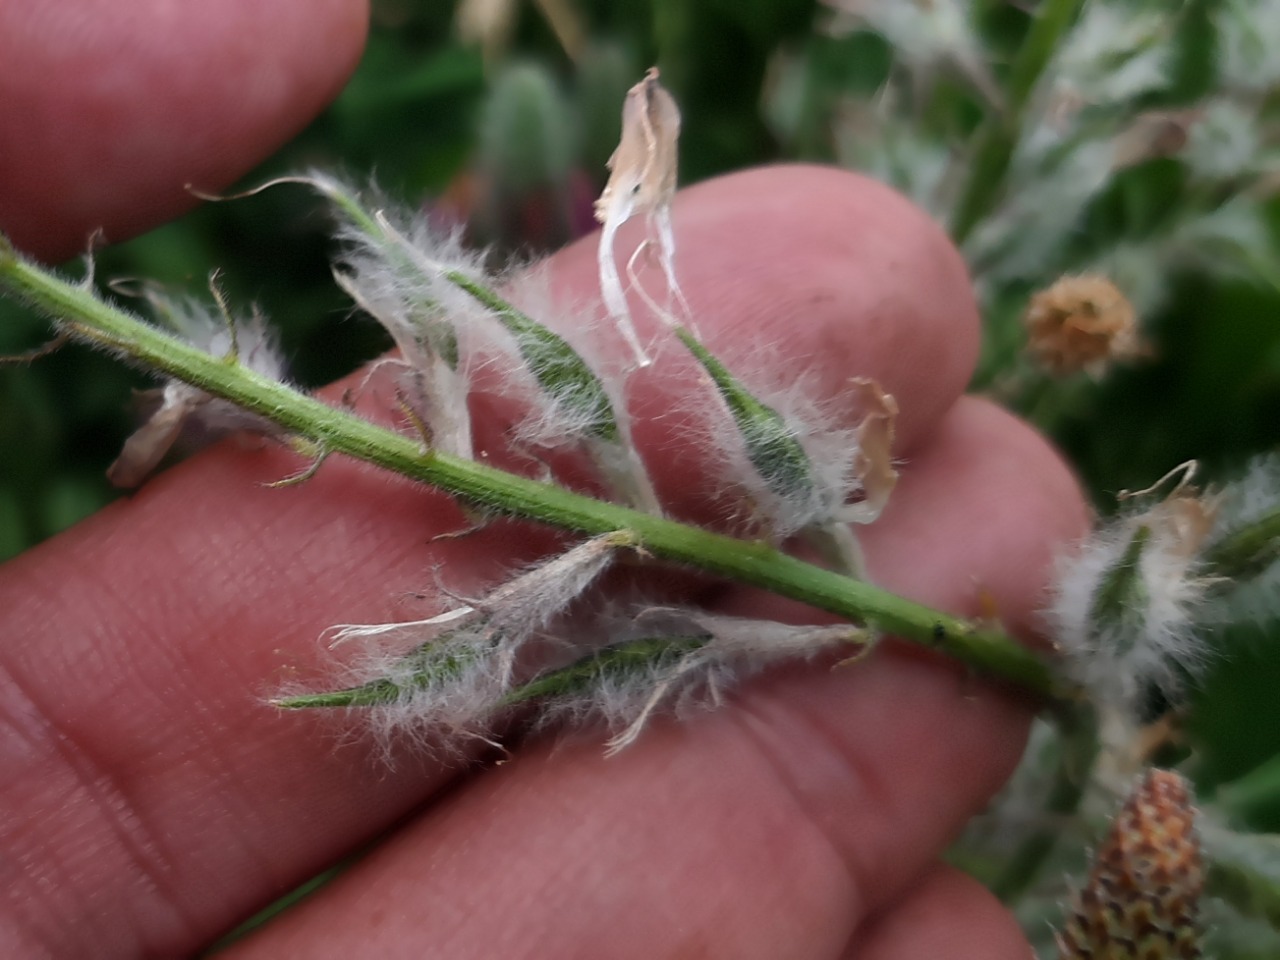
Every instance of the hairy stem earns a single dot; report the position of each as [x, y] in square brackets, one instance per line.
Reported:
[79, 312]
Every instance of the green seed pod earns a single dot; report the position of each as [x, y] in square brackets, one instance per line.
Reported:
[561, 373]
[771, 445]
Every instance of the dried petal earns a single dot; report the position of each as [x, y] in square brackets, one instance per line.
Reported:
[1183, 520]
[642, 180]
[643, 168]
[873, 465]
[147, 445]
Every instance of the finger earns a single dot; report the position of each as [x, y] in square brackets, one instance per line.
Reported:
[780, 826]
[107, 110]
[945, 914]
[147, 779]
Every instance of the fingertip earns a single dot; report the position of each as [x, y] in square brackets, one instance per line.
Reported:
[946, 914]
[108, 111]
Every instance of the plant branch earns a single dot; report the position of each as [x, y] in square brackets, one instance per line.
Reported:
[80, 313]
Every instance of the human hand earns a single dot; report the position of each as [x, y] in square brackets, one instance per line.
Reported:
[152, 802]
[109, 110]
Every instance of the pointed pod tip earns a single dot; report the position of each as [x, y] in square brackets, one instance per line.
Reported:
[305, 701]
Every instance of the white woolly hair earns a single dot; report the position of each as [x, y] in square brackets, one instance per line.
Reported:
[375, 275]
[442, 715]
[202, 326]
[1062, 162]
[1026, 233]
[407, 297]
[1225, 142]
[681, 683]
[179, 408]
[474, 649]
[398, 276]
[550, 420]
[206, 329]
[380, 261]
[1154, 645]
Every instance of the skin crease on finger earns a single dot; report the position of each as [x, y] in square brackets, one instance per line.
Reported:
[772, 829]
[108, 108]
[152, 801]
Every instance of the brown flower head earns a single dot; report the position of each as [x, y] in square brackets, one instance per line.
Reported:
[1142, 898]
[1081, 323]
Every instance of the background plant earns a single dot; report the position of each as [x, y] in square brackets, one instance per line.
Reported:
[450, 121]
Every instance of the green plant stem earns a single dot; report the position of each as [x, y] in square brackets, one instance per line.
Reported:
[1078, 750]
[999, 133]
[77, 311]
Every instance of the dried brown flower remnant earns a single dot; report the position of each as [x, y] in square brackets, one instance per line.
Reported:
[874, 462]
[642, 180]
[1142, 898]
[1081, 323]
[178, 408]
[1185, 521]
[147, 446]
[642, 170]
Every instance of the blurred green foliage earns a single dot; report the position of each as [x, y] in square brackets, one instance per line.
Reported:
[511, 134]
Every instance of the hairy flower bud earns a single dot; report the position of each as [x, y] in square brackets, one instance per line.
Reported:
[1126, 600]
